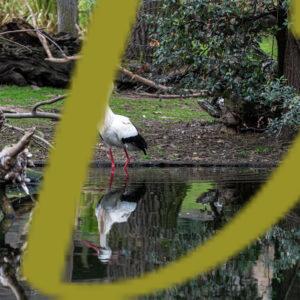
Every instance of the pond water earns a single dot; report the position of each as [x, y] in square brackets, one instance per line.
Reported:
[125, 228]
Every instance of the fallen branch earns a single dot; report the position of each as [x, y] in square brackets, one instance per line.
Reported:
[51, 101]
[42, 115]
[145, 81]
[62, 60]
[173, 96]
[44, 42]
[35, 137]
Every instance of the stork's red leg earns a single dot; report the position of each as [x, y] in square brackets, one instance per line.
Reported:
[111, 178]
[127, 161]
[110, 155]
[91, 245]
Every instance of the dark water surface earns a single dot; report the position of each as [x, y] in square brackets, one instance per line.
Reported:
[158, 215]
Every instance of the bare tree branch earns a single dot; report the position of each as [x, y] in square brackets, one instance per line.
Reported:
[41, 37]
[51, 101]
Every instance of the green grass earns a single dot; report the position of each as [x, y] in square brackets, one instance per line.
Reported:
[269, 46]
[243, 153]
[27, 96]
[263, 149]
[160, 110]
[194, 192]
[136, 109]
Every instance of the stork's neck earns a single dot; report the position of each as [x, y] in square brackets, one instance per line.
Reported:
[103, 240]
[109, 115]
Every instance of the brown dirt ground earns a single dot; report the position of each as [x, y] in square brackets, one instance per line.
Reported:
[193, 142]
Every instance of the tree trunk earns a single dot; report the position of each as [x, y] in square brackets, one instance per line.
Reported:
[67, 12]
[288, 50]
[292, 61]
[281, 37]
[139, 46]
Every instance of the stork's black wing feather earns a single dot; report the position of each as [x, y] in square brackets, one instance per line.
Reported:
[137, 141]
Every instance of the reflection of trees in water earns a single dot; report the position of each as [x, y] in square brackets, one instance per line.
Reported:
[10, 247]
[154, 236]
[255, 272]
[149, 229]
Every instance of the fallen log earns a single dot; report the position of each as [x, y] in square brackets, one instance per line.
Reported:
[23, 57]
[145, 81]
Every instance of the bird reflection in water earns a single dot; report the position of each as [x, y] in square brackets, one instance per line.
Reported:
[115, 206]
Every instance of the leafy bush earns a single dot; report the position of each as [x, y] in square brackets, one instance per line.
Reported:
[278, 96]
[85, 10]
[220, 42]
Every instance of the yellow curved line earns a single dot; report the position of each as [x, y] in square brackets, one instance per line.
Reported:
[52, 224]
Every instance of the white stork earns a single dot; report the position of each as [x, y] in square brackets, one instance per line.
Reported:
[118, 131]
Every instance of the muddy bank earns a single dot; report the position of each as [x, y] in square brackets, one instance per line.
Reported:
[191, 143]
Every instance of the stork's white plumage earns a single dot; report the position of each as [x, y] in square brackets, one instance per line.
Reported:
[115, 207]
[111, 210]
[118, 131]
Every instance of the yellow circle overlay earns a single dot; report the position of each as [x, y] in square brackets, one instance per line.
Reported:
[53, 219]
